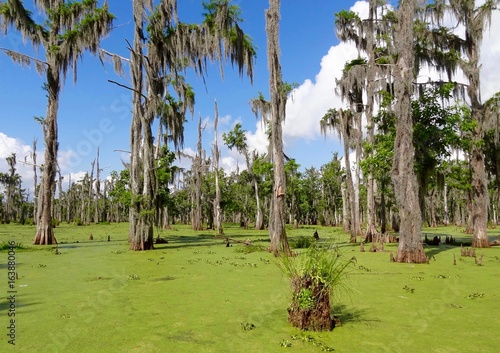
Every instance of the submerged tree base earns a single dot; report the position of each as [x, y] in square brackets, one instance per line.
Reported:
[371, 233]
[44, 236]
[416, 256]
[480, 243]
[310, 307]
[140, 246]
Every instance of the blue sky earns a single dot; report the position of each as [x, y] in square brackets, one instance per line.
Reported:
[95, 112]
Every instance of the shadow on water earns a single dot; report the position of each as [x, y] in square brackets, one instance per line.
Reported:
[20, 304]
[173, 241]
[433, 250]
[349, 314]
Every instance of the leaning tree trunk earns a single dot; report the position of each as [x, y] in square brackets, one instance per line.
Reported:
[44, 231]
[410, 247]
[277, 232]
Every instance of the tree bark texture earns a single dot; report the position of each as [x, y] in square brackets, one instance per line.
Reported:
[217, 208]
[196, 217]
[479, 178]
[44, 231]
[277, 232]
[141, 212]
[410, 247]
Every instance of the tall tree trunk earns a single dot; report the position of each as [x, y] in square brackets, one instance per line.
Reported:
[217, 208]
[141, 211]
[479, 177]
[277, 232]
[346, 218]
[371, 230]
[353, 225]
[60, 204]
[68, 201]
[97, 190]
[357, 207]
[383, 213]
[196, 218]
[469, 228]
[446, 216]
[44, 231]
[259, 217]
[166, 218]
[35, 182]
[89, 197]
[410, 247]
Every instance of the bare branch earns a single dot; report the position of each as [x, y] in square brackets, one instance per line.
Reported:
[26, 60]
[127, 87]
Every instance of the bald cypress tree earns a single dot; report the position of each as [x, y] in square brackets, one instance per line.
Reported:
[279, 91]
[410, 247]
[69, 29]
[475, 19]
[342, 122]
[164, 46]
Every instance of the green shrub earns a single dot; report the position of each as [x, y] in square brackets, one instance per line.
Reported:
[302, 242]
[314, 275]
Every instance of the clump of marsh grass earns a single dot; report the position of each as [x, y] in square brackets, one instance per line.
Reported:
[314, 276]
[18, 247]
[302, 242]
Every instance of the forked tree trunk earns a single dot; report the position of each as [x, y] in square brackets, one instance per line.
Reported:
[410, 247]
[44, 231]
